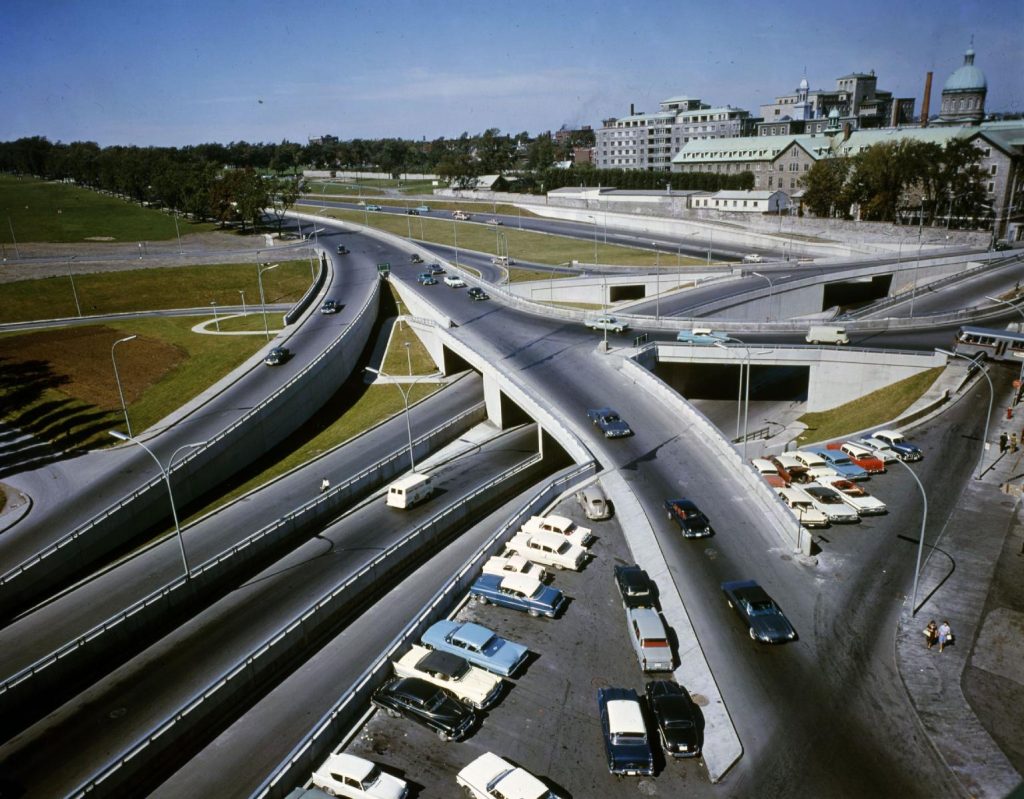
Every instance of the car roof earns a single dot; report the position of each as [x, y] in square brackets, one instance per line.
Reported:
[520, 582]
[349, 765]
[887, 432]
[548, 539]
[441, 662]
[476, 635]
[683, 502]
[555, 520]
[648, 621]
[624, 716]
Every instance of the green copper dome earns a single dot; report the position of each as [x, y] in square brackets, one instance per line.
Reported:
[966, 78]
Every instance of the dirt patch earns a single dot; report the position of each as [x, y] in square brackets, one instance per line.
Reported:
[78, 362]
[99, 238]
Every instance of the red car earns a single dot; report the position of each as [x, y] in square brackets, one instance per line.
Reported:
[862, 456]
[770, 472]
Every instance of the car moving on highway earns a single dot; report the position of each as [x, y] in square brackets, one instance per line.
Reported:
[331, 307]
[477, 293]
[609, 422]
[356, 778]
[277, 356]
[469, 683]
[765, 620]
[701, 336]
[626, 747]
[476, 644]
[426, 704]
[518, 592]
[606, 322]
[692, 522]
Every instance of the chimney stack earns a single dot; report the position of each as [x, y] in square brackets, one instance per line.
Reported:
[926, 102]
[632, 110]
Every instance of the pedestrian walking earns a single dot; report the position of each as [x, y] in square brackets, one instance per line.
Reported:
[325, 485]
[931, 634]
[1013, 442]
[1003, 442]
[945, 635]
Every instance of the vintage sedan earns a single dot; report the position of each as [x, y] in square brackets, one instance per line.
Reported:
[830, 502]
[679, 720]
[493, 777]
[856, 496]
[516, 564]
[609, 422]
[331, 307]
[840, 462]
[355, 778]
[701, 336]
[879, 449]
[561, 525]
[626, 747]
[477, 293]
[548, 549]
[477, 644]
[636, 588]
[790, 469]
[518, 592]
[899, 444]
[454, 673]
[770, 472]
[765, 620]
[862, 457]
[277, 356]
[426, 704]
[689, 517]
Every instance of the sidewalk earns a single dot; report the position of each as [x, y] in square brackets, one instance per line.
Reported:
[969, 697]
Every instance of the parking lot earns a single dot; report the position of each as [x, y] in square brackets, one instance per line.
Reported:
[547, 721]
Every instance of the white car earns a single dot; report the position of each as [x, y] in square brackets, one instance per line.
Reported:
[470, 683]
[455, 282]
[816, 465]
[514, 564]
[351, 776]
[854, 495]
[798, 502]
[561, 525]
[879, 449]
[548, 549]
[492, 777]
[607, 323]
[830, 502]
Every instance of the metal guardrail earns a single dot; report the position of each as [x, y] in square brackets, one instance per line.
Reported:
[216, 560]
[216, 440]
[281, 779]
[240, 667]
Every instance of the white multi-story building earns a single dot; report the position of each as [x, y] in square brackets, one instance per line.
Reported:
[650, 141]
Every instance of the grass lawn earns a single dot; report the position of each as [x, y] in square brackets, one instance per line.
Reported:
[151, 289]
[62, 212]
[397, 360]
[524, 245]
[583, 306]
[59, 384]
[252, 321]
[349, 185]
[517, 275]
[881, 406]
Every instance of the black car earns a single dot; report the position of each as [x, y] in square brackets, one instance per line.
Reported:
[342, 249]
[415, 259]
[636, 588]
[331, 306]
[277, 356]
[765, 619]
[478, 294]
[412, 212]
[426, 704]
[689, 517]
[609, 422]
[679, 720]
[436, 269]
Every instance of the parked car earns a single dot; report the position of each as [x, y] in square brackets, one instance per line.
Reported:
[454, 282]
[277, 356]
[477, 293]
[625, 735]
[477, 644]
[829, 502]
[880, 449]
[426, 279]
[702, 336]
[649, 638]
[861, 456]
[854, 495]
[561, 525]
[492, 777]
[769, 471]
[899, 444]
[330, 307]
[790, 469]
[606, 322]
[816, 465]
[765, 619]
[678, 718]
[426, 704]
[514, 564]
[342, 249]
[689, 517]
[839, 461]
[435, 269]
[594, 503]
[548, 549]
[356, 778]
[797, 501]
[518, 592]
[609, 422]
[635, 587]
[372, 207]
[468, 683]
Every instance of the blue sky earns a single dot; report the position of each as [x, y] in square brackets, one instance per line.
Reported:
[185, 72]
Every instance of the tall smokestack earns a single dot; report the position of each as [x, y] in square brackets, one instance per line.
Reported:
[632, 110]
[927, 101]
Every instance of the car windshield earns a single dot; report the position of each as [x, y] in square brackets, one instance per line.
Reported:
[630, 737]
[612, 417]
[762, 608]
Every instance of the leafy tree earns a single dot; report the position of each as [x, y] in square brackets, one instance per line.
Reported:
[824, 187]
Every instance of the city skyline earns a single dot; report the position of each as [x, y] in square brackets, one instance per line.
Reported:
[189, 73]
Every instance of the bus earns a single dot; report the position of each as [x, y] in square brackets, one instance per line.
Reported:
[980, 343]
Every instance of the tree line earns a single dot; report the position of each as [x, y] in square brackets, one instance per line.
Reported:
[902, 181]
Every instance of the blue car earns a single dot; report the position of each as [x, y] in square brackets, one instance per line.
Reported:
[519, 592]
[840, 461]
[476, 644]
[702, 336]
[609, 422]
[626, 747]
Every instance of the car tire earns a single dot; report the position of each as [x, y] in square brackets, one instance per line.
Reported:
[443, 735]
[618, 330]
[559, 566]
[481, 599]
[729, 603]
[392, 712]
[534, 613]
[753, 635]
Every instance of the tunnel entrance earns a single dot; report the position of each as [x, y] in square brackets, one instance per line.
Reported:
[855, 293]
[720, 381]
[634, 292]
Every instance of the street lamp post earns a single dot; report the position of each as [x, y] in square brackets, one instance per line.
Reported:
[241, 292]
[167, 480]
[177, 232]
[920, 542]
[455, 234]
[117, 378]
[216, 318]
[1018, 309]
[913, 291]
[408, 356]
[711, 236]
[768, 318]
[74, 291]
[991, 395]
[657, 278]
[260, 269]
[405, 398]
[739, 391]
[604, 290]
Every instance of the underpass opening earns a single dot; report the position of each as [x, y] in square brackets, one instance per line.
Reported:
[630, 292]
[855, 293]
[453, 363]
[720, 381]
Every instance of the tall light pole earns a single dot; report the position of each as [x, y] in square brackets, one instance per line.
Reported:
[74, 291]
[167, 480]
[604, 290]
[244, 312]
[711, 236]
[216, 319]
[408, 356]
[768, 317]
[657, 278]
[405, 398]
[913, 292]
[920, 541]
[117, 378]
[991, 395]
[1019, 310]
[455, 234]
[260, 269]
[739, 391]
[177, 233]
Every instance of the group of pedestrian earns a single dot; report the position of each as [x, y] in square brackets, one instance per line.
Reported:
[1008, 443]
[941, 634]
